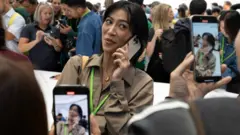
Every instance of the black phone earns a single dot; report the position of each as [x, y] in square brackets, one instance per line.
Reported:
[63, 22]
[206, 48]
[71, 107]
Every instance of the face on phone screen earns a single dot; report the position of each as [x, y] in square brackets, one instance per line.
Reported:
[71, 112]
[206, 49]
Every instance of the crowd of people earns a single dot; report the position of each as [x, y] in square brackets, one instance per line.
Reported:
[90, 47]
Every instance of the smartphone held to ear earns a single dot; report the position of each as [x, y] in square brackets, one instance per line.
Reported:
[134, 46]
[71, 110]
[206, 48]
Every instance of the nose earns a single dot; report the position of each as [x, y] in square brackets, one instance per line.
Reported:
[112, 30]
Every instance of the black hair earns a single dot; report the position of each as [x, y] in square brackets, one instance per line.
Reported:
[182, 12]
[223, 14]
[2, 35]
[76, 3]
[139, 2]
[60, 114]
[80, 113]
[216, 10]
[228, 3]
[210, 39]
[197, 7]
[89, 5]
[137, 21]
[232, 24]
[221, 7]
[209, 12]
[184, 6]
[214, 4]
[33, 2]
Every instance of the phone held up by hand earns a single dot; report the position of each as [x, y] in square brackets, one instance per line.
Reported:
[71, 109]
[206, 48]
[134, 46]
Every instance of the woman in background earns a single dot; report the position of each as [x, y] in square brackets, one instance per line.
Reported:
[73, 125]
[161, 22]
[205, 59]
[41, 40]
[57, 9]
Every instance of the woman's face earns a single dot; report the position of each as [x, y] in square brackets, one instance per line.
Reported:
[73, 112]
[170, 14]
[204, 41]
[46, 15]
[115, 31]
[56, 6]
[222, 28]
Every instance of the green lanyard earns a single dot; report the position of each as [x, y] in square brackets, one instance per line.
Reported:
[201, 57]
[102, 102]
[222, 49]
[65, 131]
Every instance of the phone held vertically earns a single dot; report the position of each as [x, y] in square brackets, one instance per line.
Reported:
[71, 110]
[134, 46]
[206, 49]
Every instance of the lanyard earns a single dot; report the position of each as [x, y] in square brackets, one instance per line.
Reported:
[65, 131]
[102, 102]
[229, 56]
[201, 57]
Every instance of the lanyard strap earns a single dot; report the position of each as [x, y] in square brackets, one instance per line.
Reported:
[65, 131]
[102, 102]
[222, 56]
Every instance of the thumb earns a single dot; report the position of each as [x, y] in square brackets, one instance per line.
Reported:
[94, 126]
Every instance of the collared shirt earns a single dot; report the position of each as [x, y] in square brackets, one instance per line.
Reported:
[43, 56]
[15, 29]
[89, 35]
[77, 130]
[132, 93]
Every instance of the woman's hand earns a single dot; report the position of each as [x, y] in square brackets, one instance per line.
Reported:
[183, 86]
[76, 121]
[158, 33]
[65, 29]
[122, 62]
[50, 42]
[39, 36]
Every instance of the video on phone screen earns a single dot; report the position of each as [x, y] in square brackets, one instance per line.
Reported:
[206, 49]
[71, 113]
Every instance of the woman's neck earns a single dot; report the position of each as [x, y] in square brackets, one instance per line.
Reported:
[107, 64]
[42, 26]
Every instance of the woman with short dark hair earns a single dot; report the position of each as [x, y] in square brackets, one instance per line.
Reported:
[118, 89]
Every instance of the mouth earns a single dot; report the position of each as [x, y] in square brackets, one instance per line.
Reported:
[109, 41]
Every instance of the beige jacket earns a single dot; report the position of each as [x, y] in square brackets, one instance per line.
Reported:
[77, 130]
[134, 92]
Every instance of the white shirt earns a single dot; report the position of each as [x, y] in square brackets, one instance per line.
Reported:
[16, 28]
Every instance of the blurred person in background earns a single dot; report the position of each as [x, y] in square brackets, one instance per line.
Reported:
[208, 12]
[229, 27]
[89, 28]
[107, 3]
[155, 3]
[60, 117]
[73, 125]
[238, 49]
[30, 6]
[56, 4]
[214, 5]
[117, 84]
[17, 5]
[13, 23]
[216, 12]
[41, 40]
[21, 101]
[161, 22]
[227, 5]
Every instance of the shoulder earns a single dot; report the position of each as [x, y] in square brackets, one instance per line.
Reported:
[19, 18]
[143, 76]
[75, 61]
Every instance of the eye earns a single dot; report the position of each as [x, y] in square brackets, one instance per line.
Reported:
[123, 26]
[108, 21]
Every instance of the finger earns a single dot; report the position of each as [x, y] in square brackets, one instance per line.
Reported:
[223, 68]
[188, 55]
[183, 66]
[222, 82]
[118, 55]
[52, 131]
[122, 50]
[94, 126]
[118, 62]
[62, 26]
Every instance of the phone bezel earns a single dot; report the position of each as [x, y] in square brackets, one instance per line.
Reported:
[62, 90]
[199, 19]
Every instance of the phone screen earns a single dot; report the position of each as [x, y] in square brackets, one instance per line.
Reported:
[206, 49]
[71, 110]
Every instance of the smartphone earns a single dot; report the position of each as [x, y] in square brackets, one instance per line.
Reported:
[206, 48]
[63, 22]
[71, 107]
[48, 36]
[134, 46]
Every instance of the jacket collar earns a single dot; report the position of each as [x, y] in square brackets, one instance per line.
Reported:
[96, 61]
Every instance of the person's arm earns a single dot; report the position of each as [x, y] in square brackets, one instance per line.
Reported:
[14, 30]
[119, 110]
[151, 45]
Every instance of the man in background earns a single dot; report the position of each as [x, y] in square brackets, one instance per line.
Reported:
[17, 5]
[13, 24]
[89, 28]
[227, 5]
[216, 12]
[30, 6]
